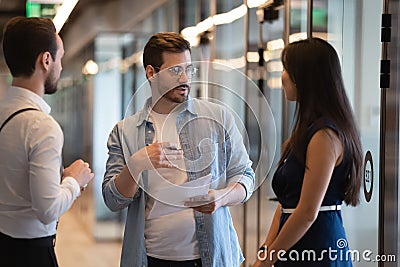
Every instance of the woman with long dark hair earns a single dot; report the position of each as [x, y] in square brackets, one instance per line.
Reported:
[320, 165]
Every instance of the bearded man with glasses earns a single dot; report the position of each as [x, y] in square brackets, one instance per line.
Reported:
[172, 142]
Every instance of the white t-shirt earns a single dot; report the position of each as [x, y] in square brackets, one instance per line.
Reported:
[173, 236]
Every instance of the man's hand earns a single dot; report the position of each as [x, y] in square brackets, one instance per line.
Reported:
[155, 156]
[80, 171]
[233, 194]
[207, 204]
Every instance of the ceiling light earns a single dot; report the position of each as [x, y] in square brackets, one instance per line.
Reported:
[91, 68]
[63, 13]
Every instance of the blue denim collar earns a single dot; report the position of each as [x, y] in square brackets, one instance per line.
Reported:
[144, 113]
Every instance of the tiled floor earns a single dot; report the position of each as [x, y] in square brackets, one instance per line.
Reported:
[75, 247]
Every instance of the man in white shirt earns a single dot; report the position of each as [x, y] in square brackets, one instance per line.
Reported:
[31, 195]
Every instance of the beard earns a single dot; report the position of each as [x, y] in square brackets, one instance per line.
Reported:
[177, 94]
[175, 98]
[50, 85]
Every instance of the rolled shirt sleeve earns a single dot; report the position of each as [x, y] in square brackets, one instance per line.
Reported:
[113, 199]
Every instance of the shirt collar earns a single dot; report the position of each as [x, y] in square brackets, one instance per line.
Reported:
[144, 115]
[29, 97]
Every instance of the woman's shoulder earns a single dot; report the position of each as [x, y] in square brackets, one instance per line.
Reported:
[322, 123]
[324, 133]
[323, 128]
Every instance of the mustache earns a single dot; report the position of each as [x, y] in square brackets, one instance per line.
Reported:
[182, 86]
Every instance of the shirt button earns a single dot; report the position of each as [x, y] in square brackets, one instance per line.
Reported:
[149, 131]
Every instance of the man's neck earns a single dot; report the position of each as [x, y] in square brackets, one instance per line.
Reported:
[29, 84]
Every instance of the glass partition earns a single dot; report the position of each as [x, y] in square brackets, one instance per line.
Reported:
[121, 75]
[353, 28]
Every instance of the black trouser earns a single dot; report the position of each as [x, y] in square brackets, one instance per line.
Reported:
[18, 252]
[153, 262]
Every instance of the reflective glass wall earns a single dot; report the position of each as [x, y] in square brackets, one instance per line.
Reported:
[120, 89]
[353, 28]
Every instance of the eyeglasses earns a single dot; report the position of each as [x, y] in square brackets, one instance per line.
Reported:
[177, 71]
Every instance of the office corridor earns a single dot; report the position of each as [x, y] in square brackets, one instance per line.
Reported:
[236, 47]
[75, 247]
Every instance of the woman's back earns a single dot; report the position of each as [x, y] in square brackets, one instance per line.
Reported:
[322, 243]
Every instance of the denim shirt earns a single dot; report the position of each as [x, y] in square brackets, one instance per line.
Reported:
[211, 143]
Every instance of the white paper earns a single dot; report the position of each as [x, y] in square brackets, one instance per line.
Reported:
[177, 195]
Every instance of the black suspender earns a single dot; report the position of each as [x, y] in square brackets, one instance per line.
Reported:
[14, 114]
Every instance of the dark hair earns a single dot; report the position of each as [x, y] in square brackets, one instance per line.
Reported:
[24, 39]
[314, 67]
[163, 42]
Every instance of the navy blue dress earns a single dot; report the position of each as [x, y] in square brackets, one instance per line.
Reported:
[325, 243]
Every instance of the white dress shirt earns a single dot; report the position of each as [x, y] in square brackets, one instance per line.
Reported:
[32, 196]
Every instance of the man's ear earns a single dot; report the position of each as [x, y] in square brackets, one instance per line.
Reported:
[150, 72]
[45, 60]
